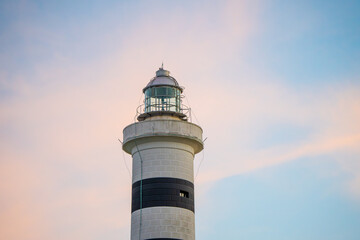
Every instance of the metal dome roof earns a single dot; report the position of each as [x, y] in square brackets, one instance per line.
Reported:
[163, 78]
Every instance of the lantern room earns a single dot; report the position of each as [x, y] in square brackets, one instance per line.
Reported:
[162, 96]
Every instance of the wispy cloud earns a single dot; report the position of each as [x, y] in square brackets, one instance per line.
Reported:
[329, 117]
[65, 105]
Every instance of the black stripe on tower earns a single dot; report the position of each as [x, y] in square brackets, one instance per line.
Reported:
[163, 192]
[162, 239]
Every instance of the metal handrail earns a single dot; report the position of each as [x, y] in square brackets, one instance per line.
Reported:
[183, 109]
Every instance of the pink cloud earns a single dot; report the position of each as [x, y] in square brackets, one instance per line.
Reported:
[331, 115]
[61, 165]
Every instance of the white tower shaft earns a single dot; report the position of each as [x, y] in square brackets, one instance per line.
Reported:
[163, 153]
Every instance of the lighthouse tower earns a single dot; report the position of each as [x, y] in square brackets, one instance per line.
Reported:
[162, 144]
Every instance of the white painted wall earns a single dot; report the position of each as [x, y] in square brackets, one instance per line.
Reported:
[163, 222]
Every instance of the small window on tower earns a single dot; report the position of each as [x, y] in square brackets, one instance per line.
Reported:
[184, 194]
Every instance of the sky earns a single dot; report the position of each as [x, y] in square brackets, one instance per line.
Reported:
[274, 84]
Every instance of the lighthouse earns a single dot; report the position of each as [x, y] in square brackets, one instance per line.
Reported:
[163, 143]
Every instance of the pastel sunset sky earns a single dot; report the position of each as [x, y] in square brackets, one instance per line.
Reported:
[274, 84]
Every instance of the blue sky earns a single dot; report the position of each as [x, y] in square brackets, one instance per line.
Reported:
[274, 84]
[287, 201]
